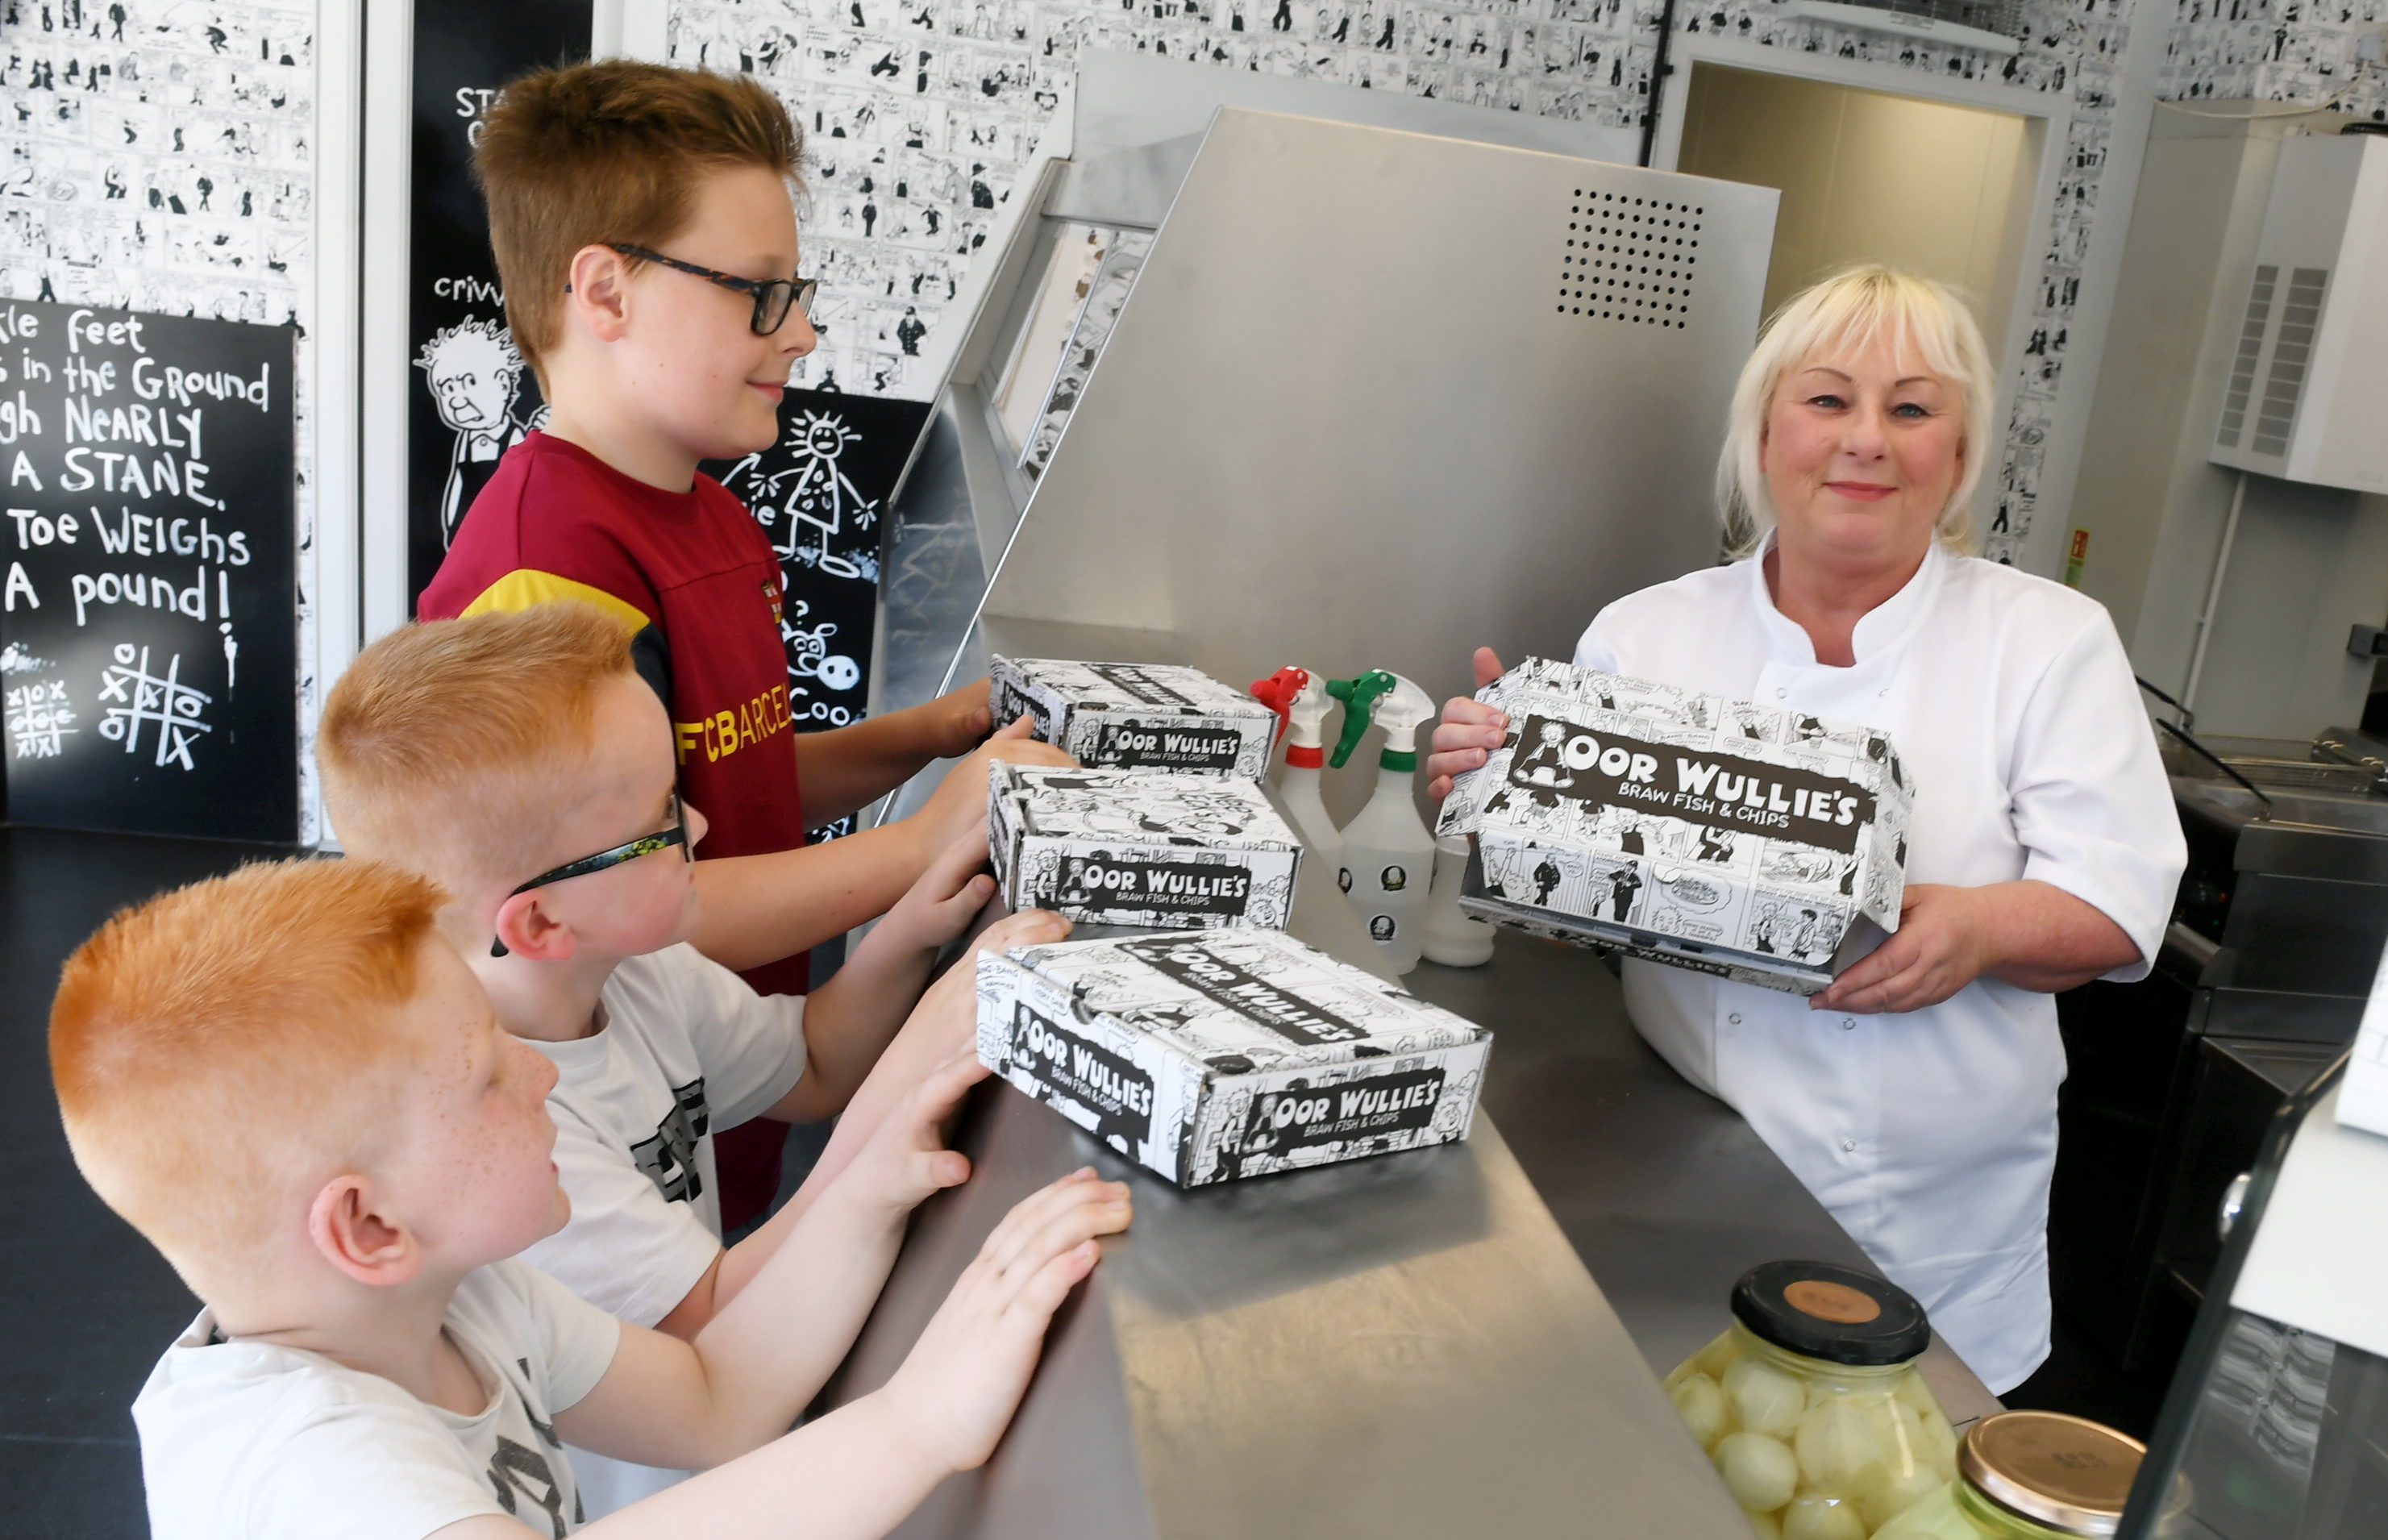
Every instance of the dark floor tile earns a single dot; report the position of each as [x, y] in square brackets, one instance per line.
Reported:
[59, 1491]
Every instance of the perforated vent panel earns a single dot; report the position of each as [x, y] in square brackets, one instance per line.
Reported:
[2292, 350]
[1629, 259]
[2243, 367]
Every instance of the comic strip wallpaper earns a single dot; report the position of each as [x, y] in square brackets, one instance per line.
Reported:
[156, 155]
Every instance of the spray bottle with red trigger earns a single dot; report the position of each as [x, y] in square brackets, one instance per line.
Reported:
[1388, 852]
[1299, 697]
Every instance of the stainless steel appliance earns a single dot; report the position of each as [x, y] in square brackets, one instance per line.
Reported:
[2277, 933]
[1334, 393]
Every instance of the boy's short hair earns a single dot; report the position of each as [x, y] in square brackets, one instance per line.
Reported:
[223, 1051]
[452, 746]
[588, 154]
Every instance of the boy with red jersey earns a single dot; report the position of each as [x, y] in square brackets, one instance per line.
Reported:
[646, 236]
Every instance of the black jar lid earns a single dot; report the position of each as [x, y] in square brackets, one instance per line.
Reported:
[1837, 1314]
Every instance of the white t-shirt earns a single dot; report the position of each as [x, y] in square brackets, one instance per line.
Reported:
[687, 1046]
[249, 1441]
[1931, 1136]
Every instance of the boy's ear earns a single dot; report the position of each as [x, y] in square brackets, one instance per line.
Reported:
[528, 930]
[598, 296]
[353, 1236]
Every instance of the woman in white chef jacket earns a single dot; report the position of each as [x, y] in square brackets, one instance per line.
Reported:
[1916, 1097]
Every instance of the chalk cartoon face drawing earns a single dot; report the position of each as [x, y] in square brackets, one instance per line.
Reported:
[813, 495]
[475, 375]
[809, 657]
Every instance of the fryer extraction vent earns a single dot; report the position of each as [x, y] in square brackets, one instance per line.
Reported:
[1629, 257]
[2251, 346]
[2292, 353]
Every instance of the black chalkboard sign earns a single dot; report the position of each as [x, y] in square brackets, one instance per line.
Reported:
[472, 398]
[148, 633]
[820, 493]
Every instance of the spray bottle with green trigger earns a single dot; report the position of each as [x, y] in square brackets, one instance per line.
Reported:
[1299, 697]
[1388, 852]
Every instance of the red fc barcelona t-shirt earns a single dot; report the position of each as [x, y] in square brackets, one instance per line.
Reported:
[693, 578]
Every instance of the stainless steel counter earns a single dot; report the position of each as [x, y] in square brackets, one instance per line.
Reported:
[1404, 1346]
[1666, 1194]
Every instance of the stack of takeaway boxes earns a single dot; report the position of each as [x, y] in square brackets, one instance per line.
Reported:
[1204, 1044]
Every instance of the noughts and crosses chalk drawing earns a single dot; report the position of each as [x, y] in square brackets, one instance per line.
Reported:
[40, 719]
[163, 699]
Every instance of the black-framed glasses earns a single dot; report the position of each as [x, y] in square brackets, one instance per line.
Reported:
[773, 297]
[629, 850]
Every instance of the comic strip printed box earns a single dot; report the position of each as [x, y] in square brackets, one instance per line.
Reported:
[1138, 715]
[1160, 850]
[1213, 1056]
[1764, 845]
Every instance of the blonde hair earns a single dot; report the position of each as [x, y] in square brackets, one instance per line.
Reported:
[588, 153]
[222, 1051]
[452, 747]
[1854, 309]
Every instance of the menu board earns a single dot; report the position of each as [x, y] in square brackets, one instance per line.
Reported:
[149, 634]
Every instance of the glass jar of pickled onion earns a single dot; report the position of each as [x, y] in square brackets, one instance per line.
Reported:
[2028, 1476]
[1811, 1406]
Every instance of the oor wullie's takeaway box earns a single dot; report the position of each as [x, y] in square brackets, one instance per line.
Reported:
[1710, 834]
[1138, 715]
[1208, 1056]
[1155, 848]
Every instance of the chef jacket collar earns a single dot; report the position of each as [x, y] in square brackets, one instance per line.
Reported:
[1879, 632]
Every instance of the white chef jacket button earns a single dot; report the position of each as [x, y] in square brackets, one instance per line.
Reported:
[1735, 1018]
[1849, 1024]
[1780, 691]
[1849, 1144]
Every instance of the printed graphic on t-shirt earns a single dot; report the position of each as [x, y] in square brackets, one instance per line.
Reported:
[669, 1159]
[524, 1478]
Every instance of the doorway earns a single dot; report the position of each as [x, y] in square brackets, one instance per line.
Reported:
[1944, 188]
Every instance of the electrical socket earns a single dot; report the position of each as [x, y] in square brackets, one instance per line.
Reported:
[2371, 44]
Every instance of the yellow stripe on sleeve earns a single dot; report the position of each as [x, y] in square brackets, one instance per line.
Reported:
[526, 587]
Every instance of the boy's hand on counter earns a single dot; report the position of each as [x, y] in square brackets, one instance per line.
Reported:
[1468, 733]
[941, 905]
[950, 1006]
[959, 805]
[955, 1392]
[905, 1159]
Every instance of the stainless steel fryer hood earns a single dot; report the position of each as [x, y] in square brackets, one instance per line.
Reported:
[1377, 397]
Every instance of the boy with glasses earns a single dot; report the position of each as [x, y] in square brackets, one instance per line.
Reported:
[290, 1085]
[646, 236]
[492, 756]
